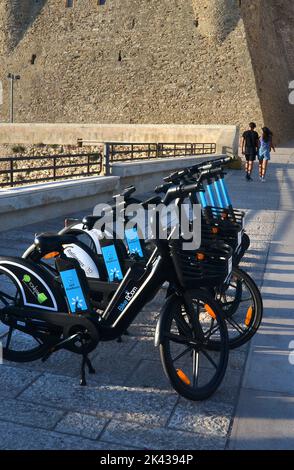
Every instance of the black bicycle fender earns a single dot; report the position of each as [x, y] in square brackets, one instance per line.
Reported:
[158, 331]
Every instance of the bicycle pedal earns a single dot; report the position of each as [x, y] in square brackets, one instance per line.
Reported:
[83, 383]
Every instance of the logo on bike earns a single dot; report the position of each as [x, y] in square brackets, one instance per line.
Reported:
[128, 297]
[115, 274]
[77, 303]
[40, 296]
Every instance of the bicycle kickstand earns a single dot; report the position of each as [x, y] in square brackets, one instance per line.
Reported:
[85, 362]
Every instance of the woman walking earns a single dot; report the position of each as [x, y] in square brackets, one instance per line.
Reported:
[264, 151]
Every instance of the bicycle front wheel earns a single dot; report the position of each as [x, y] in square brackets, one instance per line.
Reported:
[193, 368]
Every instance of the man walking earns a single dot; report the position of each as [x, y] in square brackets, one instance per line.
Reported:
[250, 143]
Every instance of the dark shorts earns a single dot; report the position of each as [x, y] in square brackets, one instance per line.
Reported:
[250, 157]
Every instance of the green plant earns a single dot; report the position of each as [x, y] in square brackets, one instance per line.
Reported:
[18, 149]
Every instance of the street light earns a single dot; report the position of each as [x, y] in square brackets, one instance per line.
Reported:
[12, 79]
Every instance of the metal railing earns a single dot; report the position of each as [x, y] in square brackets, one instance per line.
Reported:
[123, 152]
[16, 171]
[119, 151]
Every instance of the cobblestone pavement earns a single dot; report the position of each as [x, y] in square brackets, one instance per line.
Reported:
[129, 403]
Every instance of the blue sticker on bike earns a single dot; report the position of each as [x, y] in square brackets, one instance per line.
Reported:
[73, 290]
[112, 263]
[133, 242]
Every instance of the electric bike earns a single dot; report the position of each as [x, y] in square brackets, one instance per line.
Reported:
[48, 310]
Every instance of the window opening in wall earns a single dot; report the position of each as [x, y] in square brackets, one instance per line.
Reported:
[69, 3]
[33, 59]
[119, 56]
[101, 2]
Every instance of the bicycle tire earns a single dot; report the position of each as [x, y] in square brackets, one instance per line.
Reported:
[253, 314]
[179, 381]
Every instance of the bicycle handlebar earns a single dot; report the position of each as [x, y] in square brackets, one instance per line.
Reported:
[164, 188]
[176, 176]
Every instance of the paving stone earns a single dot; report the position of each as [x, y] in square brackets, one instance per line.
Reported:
[254, 431]
[17, 250]
[24, 412]
[203, 417]
[131, 404]
[3, 330]
[16, 236]
[107, 356]
[159, 438]
[228, 391]
[14, 380]
[149, 374]
[258, 216]
[145, 349]
[141, 329]
[237, 359]
[81, 425]
[114, 369]
[19, 437]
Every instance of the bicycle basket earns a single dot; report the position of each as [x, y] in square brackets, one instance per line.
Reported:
[209, 266]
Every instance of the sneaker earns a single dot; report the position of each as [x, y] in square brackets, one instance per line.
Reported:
[249, 178]
[260, 178]
[263, 179]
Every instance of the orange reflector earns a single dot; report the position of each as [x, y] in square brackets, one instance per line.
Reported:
[51, 255]
[210, 311]
[214, 230]
[248, 316]
[183, 377]
[200, 256]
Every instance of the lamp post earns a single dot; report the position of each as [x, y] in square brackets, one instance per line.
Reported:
[12, 79]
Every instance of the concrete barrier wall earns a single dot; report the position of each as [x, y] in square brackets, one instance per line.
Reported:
[30, 204]
[67, 134]
[146, 175]
[35, 203]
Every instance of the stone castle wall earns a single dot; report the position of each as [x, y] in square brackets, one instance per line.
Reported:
[148, 61]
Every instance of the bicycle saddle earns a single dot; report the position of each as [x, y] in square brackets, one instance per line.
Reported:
[89, 221]
[52, 241]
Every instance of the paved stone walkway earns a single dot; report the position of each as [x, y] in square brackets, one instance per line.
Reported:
[265, 412]
[129, 403]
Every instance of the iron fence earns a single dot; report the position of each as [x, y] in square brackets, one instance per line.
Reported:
[16, 171]
[124, 152]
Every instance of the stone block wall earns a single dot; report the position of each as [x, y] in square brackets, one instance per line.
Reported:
[148, 61]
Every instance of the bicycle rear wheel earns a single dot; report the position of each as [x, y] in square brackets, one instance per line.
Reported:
[26, 340]
[193, 368]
